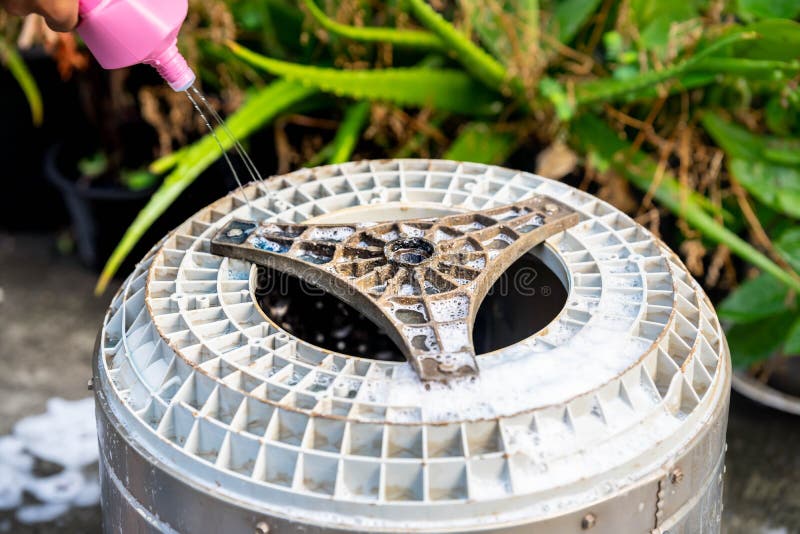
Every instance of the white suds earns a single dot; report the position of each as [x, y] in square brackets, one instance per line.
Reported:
[64, 435]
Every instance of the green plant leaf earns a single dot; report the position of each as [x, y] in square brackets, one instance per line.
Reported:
[767, 167]
[753, 342]
[605, 89]
[165, 163]
[93, 165]
[591, 133]
[349, 131]
[685, 82]
[275, 23]
[763, 9]
[776, 186]
[257, 17]
[260, 108]
[788, 244]
[783, 152]
[779, 118]
[495, 33]
[752, 69]
[449, 90]
[138, 180]
[321, 157]
[569, 16]
[472, 57]
[701, 69]
[760, 297]
[738, 142]
[557, 95]
[404, 38]
[779, 40]
[480, 143]
[19, 70]
[654, 20]
[792, 346]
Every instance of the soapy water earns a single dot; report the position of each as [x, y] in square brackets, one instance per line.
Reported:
[219, 143]
[196, 97]
[454, 336]
[65, 436]
[268, 245]
[450, 309]
[331, 235]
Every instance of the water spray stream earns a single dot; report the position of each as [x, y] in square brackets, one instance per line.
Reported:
[216, 138]
[251, 167]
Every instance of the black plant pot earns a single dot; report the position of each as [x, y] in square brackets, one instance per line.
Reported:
[99, 213]
[781, 391]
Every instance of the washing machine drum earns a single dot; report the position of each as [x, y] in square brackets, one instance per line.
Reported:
[411, 346]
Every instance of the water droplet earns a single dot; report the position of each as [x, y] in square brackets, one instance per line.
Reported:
[268, 245]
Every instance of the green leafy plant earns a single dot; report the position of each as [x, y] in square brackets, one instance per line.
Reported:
[95, 166]
[479, 142]
[670, 102]
[10, 57]
[764, 311]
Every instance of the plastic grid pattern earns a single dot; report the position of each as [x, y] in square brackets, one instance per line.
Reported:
[206, 378]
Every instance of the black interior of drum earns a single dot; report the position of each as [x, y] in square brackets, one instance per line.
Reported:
[523, 301]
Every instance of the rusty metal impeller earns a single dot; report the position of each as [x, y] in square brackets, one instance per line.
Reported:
[420, 280]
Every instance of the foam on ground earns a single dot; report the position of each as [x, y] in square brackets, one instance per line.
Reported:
[64, 435]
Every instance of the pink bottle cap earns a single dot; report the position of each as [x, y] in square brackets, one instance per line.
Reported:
[172, 66]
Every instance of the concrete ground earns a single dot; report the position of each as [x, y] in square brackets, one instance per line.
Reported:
[49, 319]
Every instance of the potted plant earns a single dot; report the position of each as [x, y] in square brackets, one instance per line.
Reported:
[100, 200]
[97, 172]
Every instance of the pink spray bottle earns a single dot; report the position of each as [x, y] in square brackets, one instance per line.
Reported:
[121, 33]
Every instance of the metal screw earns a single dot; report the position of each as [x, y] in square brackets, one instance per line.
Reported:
[588, 521]
[235, 232]
[262, 528]
[676, 475]
[90, 384]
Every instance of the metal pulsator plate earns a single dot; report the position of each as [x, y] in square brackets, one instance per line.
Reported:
[422, 280]
[215, 414]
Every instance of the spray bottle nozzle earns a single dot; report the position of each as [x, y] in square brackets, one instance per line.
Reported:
[172, 66]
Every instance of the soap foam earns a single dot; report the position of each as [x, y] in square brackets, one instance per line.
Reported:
[64, 435]
[524, 378]
[334, 235]
[450, 309]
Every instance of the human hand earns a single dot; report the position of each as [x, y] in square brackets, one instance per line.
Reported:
[61, 15]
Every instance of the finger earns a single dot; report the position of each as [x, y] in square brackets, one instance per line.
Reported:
[61, 15]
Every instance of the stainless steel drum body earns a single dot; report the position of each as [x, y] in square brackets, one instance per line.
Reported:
[213, 419]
